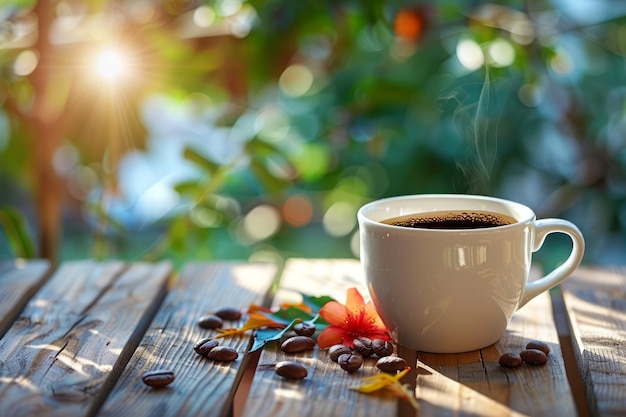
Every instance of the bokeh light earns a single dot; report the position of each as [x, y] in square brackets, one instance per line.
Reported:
[530, 95]
[272, 124]
[298, 210]
[204, 16]
[296, 80]
[470, 54]
[262, 222]
[25, 63]
[206, 217]
[340, 219]
[501, 53]
[562, 63]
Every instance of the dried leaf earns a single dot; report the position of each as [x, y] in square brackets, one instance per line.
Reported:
[389, 383]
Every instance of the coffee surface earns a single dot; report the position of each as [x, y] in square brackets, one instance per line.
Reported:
[459, 219]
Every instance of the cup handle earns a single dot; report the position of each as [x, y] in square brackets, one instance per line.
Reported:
[542, 228]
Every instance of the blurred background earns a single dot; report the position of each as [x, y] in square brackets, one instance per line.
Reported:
[255, 129]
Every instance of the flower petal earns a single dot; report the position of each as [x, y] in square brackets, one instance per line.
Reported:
[332, 335]
[334, 313]
[372, 315]
[354, 300]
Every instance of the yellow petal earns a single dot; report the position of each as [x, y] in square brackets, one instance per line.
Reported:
[390, 383]
[255, 321]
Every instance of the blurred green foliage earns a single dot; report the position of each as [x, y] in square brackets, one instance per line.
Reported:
[326, 105]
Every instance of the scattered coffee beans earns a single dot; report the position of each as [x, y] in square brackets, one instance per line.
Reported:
[534, 356]
[228, 313]
[536, 344]
[297, 344]
[391, 364]
[204, 346]
[382, 348]
[350, 362]
[304, 329]
[337, 350]
[223, 354]
[158, 378]
[363, 346]
[510, 360]
[291, 370]
[210, 321]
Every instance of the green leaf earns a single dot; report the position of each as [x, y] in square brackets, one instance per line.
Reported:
[188, 187]
[200, 160]
[103, 215]
[260, 147]
[14, 225]
[286, 315]
[316, 303]
[265, 177]
[265, 336]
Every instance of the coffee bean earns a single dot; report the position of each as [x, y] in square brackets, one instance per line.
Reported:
[291, 370]
[204, 346]
[391, 364]
[297, 344]
[350, 362]
[510, 360]
[228, 313]
[210, 322]
[534, 356]
[304, 329]
[363, 346]
[537, 344]
[382, 348]
[158, 378]
[337, 350]
[223, 354]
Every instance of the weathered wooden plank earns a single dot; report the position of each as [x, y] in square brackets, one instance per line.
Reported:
[531, 390]
[465, 384]
[596, 303]
[68, 346]
[19, 280]
[325, 391]
[202, 387]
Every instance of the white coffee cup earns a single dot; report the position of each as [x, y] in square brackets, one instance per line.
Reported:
[455, 290]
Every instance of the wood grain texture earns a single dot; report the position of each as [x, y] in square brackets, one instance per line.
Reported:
[202, 387]
[19, 280]
[596, 303]
[527, 390]
[325, 391]
[69, 344]
[471, 383]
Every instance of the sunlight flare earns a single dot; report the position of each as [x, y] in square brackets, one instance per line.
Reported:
[112, 64]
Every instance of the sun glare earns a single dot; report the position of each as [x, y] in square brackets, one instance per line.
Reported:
[111, 64]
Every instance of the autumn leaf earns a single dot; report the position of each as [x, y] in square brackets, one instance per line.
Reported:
[271, 324]
[389, 383]
[256, 320]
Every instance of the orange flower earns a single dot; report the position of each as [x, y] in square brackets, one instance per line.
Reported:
[350, 321]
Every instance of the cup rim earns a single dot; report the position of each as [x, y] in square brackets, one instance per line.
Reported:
[526, 214]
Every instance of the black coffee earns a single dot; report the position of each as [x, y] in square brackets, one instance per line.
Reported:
[460, 219]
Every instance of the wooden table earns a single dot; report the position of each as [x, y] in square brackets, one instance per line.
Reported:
[76, 339]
